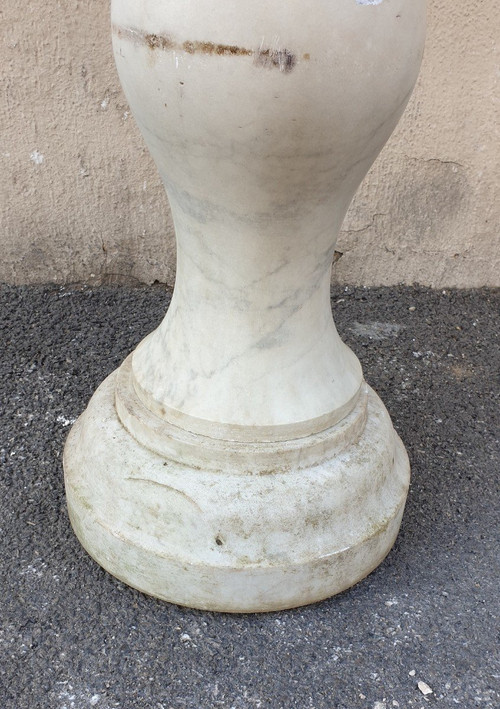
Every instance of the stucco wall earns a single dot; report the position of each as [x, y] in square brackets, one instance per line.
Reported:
[81, 199]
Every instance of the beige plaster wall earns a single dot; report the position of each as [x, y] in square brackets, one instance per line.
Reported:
[81, 199]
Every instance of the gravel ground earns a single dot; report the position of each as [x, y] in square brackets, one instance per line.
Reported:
[72, 637]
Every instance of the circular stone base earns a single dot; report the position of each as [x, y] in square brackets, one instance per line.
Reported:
[232, 539]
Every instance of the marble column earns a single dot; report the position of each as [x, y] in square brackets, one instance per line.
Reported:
[237, 460]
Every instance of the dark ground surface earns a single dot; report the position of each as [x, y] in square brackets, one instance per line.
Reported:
[73, 637]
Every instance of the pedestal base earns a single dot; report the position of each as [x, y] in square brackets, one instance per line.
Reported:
[232, 537]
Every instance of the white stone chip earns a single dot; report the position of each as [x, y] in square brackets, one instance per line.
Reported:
[424, 688]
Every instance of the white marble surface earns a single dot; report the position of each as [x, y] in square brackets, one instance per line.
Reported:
[263, 118]
[234, 539]
[237, 460]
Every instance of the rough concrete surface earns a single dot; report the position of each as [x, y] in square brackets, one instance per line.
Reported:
[82, 199]
[72, 637]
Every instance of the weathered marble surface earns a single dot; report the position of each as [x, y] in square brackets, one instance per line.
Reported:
[231, 536]
[236, 461]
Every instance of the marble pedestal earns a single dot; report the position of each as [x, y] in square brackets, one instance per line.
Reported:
[237, 460]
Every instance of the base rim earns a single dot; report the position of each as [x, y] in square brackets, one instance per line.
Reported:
[295, 556]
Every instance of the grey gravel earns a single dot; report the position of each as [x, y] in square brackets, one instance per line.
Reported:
[72, 637]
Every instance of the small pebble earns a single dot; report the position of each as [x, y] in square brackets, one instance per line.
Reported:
[412, 673]
[424, 688]
[412, 308]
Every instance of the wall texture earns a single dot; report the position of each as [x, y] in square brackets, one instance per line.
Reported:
[81, 199]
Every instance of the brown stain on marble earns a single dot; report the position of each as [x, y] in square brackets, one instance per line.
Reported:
[220, 49]
[281, 59]
[154, 41]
